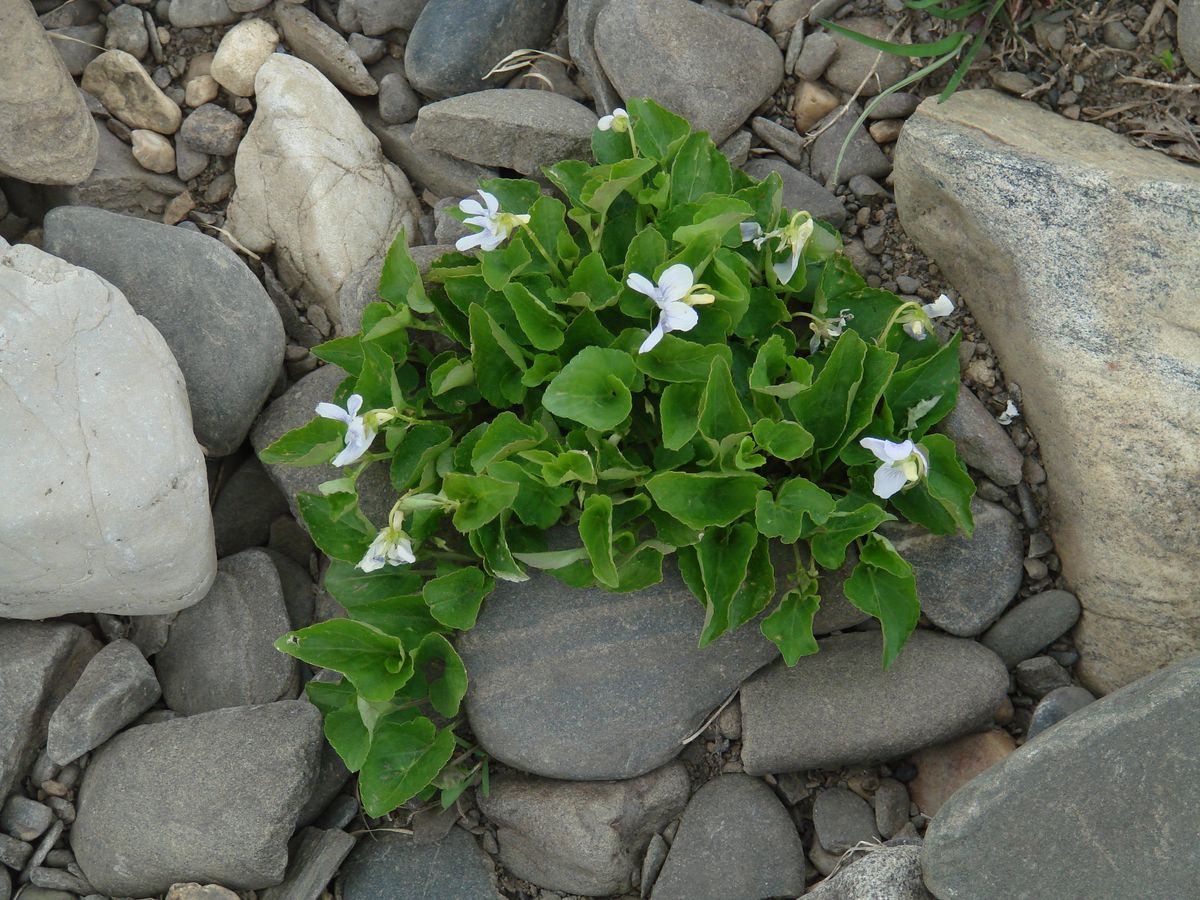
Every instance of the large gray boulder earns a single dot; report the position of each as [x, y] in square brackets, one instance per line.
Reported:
[213, 313]
[211, 798]
[1102, 805]
[104, 487]
[1079, 257]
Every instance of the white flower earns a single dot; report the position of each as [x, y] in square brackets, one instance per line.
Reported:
[618, 121]
[391, 547]
[496, 225]
[791, 238]
[902, 464]
[826, 330]
[920, 322]
[358, 433]
[674, 295]
[1010, 413]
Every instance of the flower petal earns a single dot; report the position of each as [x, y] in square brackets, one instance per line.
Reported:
[605, 123]
[675, 283]
[915, 330]
[785, 269]
[333, 411]
[678, 316]
[642, 285]
[750, 231]
[876, 446]
[491, 240]
[493, 205]
[942, 306]
[896, 452]
[652, 339]
[471, 206]
[888, 480]
[468, 241]
[402, 553]
[353, 404]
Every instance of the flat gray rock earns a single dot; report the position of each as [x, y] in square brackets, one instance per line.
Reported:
[513, 129]
[839, 707]
[964, 584]
[842, 819]
[862, 156]
[117, 183]
[581, 35]
[245, 508]
[315, 42]
[117, 686]
[981, 441]
[439, 173]
[799, 191]
[582, 837]
[586, 684]
[211, 798]
[388, 866]
[1031, 625]
[735, 840]
[1120, 778]
[38, 665]
[220, 653]
[214, 315]
[313, 859]
[710, 68]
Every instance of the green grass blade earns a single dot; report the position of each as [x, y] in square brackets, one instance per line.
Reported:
[972, 51]
[919, 51]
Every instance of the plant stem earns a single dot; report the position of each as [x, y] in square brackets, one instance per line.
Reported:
[562, 279]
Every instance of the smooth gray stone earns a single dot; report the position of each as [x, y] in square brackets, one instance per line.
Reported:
[331, 777]
[964, 584]
[839, 707]
[735, 840]
[862, 157]
[39, 663]
[389, 866]
[439, 173]
[214, 315]
[799, 191]
[117, 183]
[200, 13]
[212, 129]
[1120, 778]
[1039, 676]
[891, 807]
[5, 884]
[842, 819]
[25, 819]
[116, 687]
[377, 17]
[587, 684]
[211, 798]
[893, 872]
[315, 42]
[1056, 706]
[299, 590]
[581, 35]
[74, 54]
[313, 859]
[454, 43]
[245, 508]
[1032, 624]
[220, 653]
[981, 441]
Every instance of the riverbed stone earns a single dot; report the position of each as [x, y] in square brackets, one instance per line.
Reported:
[943, 769]
[1055, 233]
[581, 38]
[315, 42]
[245, 508]
[119, 184]
[119, 81]
[981, 441]
[891, 872]
[842, 819]
[799, 191]
[854, 59]
[104, 486]
[938, 688]
[1124, 767]
[1056, 706]
[241, 53]
[387, 866]
[1031, 625]
[1188, 34]
[439, 173]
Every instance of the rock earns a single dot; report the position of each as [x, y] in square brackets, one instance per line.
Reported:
[78, 45]
[393, 865]
[449, 53]
[38, 664]
[193, 891]
[212, 311]
[943, 769]
[514, 129]
[201, 90]
[313, 183]
[938, 688]
[315, 42]
[188, 162]
[299, 591]
[964, 584]
[153, 151]
[398, 102]
[13, 853]
[587, 684]
[118, 81]
[25, 819]
[1116, 35]
[447, 228]
[862, 156]
[888, 873]
[362, 288]
[313, 860]
[811, 104]
[241, 53]
[1056, 706]
[735, 840]
[117, 686]
[854, 60]
[212, 129]
[207, 798]
[581, 36]
[244, 510]
[815, 56]
[369, 50]
[107, 511]
[800, 191]
[127, 31]
[891, 807]
[582, 837]
[1012, 82]
[707, 67]
[201, 13]
[1130, 564]
[377, 17]
[842, 819]
[1040, 675]
[119, 184]
[5, 884]
[221, 652]
[1188, 34]
[981, 441]
[898, 105]
[737, 148]
[46, 133]
[437, 172]
[1031, 625]
[1125, 766]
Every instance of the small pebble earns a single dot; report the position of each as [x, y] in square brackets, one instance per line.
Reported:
[1119, 37]
[886, 131]
[25, 819]
[200, 90]
[1013, 82]
[1037, 677]
[152, 151]
[177, 208]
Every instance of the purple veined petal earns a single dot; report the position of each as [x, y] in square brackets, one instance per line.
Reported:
[468, 241]
[888, 480]
[374, 558]
[353, 404]
[642, 285]
[785, 269]
[652, 339]
[493, 205]
[472, 206]
[678, 316]
[333, 411]
[674, 283]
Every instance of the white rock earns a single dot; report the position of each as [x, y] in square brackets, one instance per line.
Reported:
[241, 54]
[105, 495]
[314, 185]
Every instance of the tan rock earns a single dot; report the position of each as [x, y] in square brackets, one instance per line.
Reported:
[200, 90]
[811, 104]
[153, 151]
[943, 769]
[1079, 256]
[316, 43]
[118, 81]
[885, 131]
[241, 54]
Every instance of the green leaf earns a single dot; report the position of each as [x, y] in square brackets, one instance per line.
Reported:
[569, 177]
[882, 585]
[934, 48]
[877, 369]
[942, 500]
[480, 498]
[491, 543]
[504, 436]
[595, 530]
[823, 408]
[591, 278]
[640, 569]
[344, 352]
[699, 169]
[406, 755]
[776, 372]
[703, 499]
[444, 673]
[790, 626]
[936, 375]
[374, 662]
[344, 728]
[336, 525]
[679, 412]
[678, 360]
[541, 324]
[570, 465]
[454, 599]
[400, 280]
[422, 444]
[538, 504]
[317, 442]
[721, 412]
[848, 522]
[608, 182]
[658, 133]
[593, 388]
[723, 555]
[377, 379]
[499, 363]
[388, 599]
[783, 440]
[796, 511]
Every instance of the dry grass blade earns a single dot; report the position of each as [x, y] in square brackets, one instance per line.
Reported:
[523, 59]
[1163, 85]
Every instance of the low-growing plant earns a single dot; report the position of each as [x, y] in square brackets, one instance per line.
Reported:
[660, 361]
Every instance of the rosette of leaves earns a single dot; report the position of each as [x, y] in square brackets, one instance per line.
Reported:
[523, 405]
